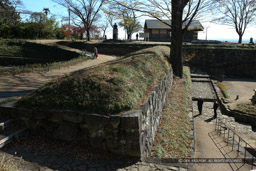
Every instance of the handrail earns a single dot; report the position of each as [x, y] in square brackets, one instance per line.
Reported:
[219, 125]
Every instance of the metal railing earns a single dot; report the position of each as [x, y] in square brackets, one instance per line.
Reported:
[236, 142]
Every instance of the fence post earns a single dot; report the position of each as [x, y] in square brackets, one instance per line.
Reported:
[245, 151]
[233, 141]
[238, 145]
[228, 136]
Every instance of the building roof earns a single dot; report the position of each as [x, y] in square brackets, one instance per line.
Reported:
[156, 24]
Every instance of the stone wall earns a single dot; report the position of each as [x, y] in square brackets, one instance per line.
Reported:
[220, 61]
[131, 133]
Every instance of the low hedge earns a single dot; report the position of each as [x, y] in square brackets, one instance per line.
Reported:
[105, 89]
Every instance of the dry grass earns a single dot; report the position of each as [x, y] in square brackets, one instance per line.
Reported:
[172, 139]
[7, 166]
[247, 108]
[223, 90]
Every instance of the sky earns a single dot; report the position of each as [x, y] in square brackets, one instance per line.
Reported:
[214, 31]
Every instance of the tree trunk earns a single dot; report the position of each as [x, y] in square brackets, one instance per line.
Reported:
[176, 39]
[128, 36]
[88, 35]
[240, 38]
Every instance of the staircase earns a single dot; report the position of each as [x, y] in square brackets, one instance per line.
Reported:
[8, 131]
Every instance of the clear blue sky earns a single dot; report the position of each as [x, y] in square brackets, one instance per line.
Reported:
[39, 5]
[214, 32]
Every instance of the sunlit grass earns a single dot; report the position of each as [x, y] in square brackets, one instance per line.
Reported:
[107, 88]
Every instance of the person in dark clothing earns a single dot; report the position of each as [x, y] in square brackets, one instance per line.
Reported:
[215, 107]
[200, 105]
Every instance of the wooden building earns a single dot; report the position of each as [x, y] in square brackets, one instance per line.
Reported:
[160, 32]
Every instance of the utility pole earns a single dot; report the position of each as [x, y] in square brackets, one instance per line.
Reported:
[69, 20]
[206, 32]
[69, 17]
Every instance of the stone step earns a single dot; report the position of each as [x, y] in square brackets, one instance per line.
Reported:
[199, 76]
[4, 124]
[201, 80]
[7, 136]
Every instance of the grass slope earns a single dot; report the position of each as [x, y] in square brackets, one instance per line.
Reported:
[247, 108]
[107, 88]
[20, 56]
[172, 138]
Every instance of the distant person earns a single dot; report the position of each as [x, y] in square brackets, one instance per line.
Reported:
[254, 96]
[200, 104]
[251, 41]
[95, 53]
[215, 107]
[137, 36]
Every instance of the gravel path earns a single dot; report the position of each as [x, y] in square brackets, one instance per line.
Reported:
[203, 89]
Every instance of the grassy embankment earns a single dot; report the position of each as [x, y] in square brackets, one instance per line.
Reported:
[20, 56]
[172, 139]
[247, 108]
[105, 89]
[223, 90]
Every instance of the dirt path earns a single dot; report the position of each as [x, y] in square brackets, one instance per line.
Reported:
[242, 87]
[18, 85]
[205, 148]
[209, 145]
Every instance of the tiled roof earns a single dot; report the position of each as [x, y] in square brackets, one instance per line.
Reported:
[156, 24]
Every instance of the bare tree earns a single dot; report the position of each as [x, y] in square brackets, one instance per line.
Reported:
[162, 9]
[110, 14]
[126, 13]
[104, 28]
[181, 12]
[237, 13]
[85, 12]
[129, 20]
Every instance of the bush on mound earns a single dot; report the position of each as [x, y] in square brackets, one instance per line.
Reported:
[107, 88]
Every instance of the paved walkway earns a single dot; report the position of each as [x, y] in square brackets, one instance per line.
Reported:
[18, 85]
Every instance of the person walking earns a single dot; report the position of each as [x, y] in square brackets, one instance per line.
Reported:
[95, 53]
[200, 104]
[215, 107]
